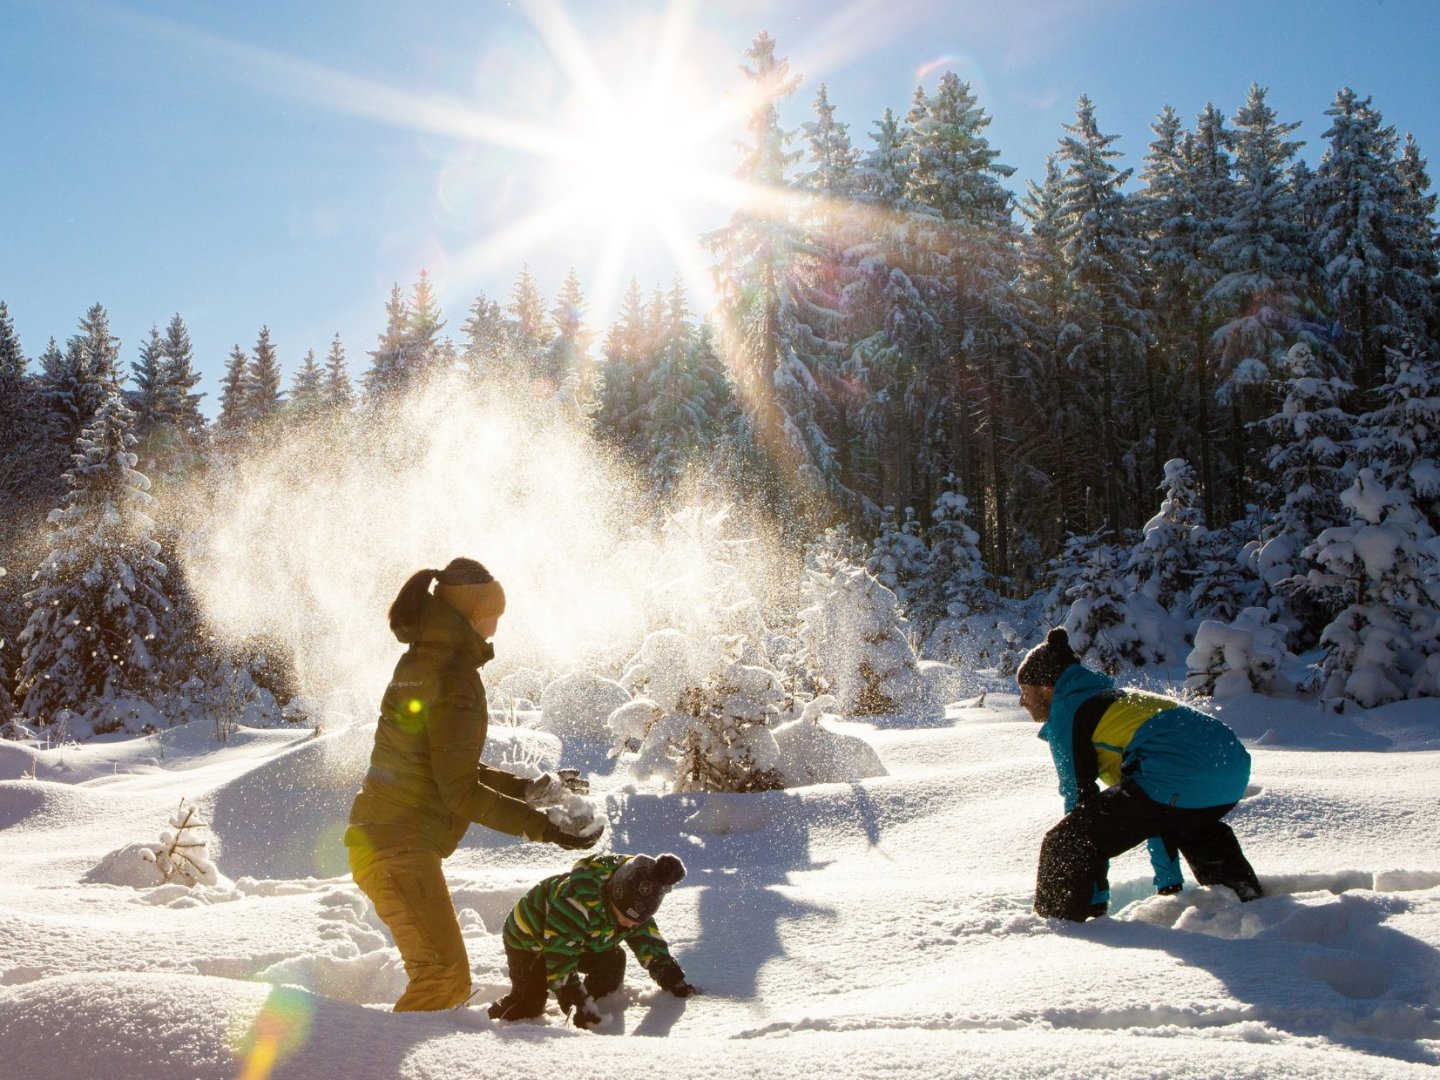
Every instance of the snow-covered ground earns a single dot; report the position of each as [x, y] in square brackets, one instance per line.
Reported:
[880, 928]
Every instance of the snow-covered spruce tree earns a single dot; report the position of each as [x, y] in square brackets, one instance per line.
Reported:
[233, 422]
[338, 390]
[856, 638]
[1240, 657]
[30, 453]
[966, 231]
[1055, 460]
[263, 396]
[1400, 438]
[776, 339]
[77, 383]
[1266, 264]
[892, 327]
[1366, 240]
[307, 391]
[1179, 231]
[98, 603]
[1381, 646]
[1225, 582]
[1101, 616]
[953, 581]
[1162, 565]
[1306, 468]
[899, 555]
[1106, 327]
[568, 361]
[686, 397]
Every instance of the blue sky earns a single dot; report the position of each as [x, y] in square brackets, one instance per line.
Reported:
[285, 163]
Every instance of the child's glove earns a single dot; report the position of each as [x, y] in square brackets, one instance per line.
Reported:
[549, 788]
[574, 783]
[572, 996]
[670, 977]
[1169, 890]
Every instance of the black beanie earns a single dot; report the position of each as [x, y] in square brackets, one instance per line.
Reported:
[1044, 663]
[640, 883]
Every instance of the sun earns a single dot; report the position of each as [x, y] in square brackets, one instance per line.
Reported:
[630, 163]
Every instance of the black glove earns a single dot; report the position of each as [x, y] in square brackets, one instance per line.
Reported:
[571, 995]
[1169, 890]
[571, 841]
[670, 977]
[574, 782]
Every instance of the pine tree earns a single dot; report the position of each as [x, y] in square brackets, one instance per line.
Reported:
[1179, 242]
[1306, 470]
[1106, 325]
[77, 383]
[568, 361]
[1382, 562]
[234, 417]
[530, 332]
[180, 406]
[263, 397]
[1052, 463]
[626, 374]
[337, 390]
[1163, 564]
[147, 376]
[307, 390]
[489, 344]
[1366, 239]
[1399, 440]
[98, 604]
[773, 331]
[953, 583]
[389, 374]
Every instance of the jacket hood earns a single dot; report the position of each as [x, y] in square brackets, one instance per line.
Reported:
[441, 626]
[1077, 683]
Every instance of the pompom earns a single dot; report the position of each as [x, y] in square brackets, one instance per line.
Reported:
[1058, 638]
[669, 869]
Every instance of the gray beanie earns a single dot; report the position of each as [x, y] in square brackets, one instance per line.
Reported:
[1044, 663]
[640, 883]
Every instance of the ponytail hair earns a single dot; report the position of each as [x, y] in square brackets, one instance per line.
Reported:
[408, 607]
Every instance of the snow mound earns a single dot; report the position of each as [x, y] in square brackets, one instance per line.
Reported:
[575, 706]
[813, 753]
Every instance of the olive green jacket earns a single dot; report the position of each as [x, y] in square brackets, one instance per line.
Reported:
[426, 782]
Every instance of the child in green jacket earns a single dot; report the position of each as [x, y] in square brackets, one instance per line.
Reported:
[564, 936]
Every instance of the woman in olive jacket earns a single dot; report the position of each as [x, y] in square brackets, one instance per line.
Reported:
[426, 782]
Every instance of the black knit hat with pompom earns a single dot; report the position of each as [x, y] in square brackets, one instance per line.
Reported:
[640, 883]
[1044, 663]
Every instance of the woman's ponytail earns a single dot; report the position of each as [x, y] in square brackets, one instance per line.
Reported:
[408, 607]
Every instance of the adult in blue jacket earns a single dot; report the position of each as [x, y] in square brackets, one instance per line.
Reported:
[1172, 773]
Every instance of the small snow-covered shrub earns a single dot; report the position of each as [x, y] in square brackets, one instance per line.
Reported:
[811, 753]
[856, 637]
[575, 706]
[629, 724]
[181, 856]
[1240, 658]
[718, 737]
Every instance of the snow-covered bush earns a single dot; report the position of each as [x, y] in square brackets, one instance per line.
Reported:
[1108, 624]
[718, 737]
[668, 663]
[631, 722]
[1378, 645]
[1240, 658]
[811, 753]
[575, 706]
[182, 856]
[856, 636]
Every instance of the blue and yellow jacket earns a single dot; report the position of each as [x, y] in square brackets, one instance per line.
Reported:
[1177, 755]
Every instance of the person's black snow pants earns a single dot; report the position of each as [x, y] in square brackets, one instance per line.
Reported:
[603, 971]
[1075, 852]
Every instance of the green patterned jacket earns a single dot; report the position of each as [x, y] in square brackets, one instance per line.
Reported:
[565, 916]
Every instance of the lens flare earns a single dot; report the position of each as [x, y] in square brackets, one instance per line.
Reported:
[280, 1028]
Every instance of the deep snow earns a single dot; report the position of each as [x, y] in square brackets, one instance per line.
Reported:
[874, 928]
